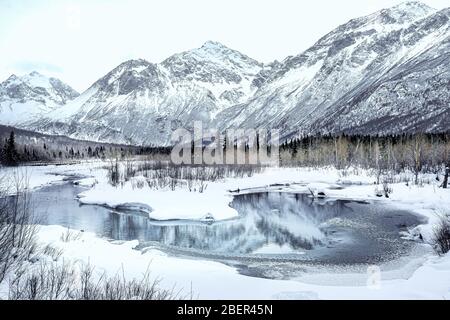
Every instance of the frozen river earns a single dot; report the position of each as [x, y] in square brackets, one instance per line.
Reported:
[282, 230]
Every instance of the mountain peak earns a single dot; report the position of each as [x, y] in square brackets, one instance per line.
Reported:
[210, 44]
[405, 12]
[134, 63]
[36, 86]
[213, 54]
[218, 52]
[28, 79]
[412, 5]
[12, 77]
[383, 21]
[35, 74]
[139, 61]
[213, 49]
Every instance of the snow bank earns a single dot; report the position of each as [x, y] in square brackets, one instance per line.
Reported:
[39, 176]
[168, 204]
[86, 182]
[164, 204]
[213, 280]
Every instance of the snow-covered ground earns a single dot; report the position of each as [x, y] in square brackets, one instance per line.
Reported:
[38, 176]
[213, 280]
[428, 278]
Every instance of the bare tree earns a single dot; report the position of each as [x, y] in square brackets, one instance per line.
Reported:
[17, 229]
[417, 153]
[447, 170]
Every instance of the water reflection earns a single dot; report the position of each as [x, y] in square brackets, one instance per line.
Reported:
[269, 223]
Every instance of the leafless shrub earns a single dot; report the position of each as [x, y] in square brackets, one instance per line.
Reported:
[130, 170]
[138, 183]
[161, 175]
[387, 190]
[202, 185]
[70, 235]
[113, 172]
[47, 281]
[190, 184]
[80, 282]
[17, 229]
[441, 234]
[50, 251]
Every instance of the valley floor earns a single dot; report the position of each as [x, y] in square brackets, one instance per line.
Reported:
[427, 277]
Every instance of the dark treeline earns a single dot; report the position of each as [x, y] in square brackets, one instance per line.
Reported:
[424, 152]
[20, 146]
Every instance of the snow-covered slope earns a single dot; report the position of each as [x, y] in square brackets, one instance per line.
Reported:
[142, 103]
[387, 72]
[31, 96]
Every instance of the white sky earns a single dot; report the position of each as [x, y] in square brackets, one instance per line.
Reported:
[80, 41]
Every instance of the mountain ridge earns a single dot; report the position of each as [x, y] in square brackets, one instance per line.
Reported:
[378, 74]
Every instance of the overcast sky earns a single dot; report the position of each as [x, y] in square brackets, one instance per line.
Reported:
[80, 41]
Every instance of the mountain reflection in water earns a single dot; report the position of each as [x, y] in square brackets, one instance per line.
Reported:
[269, 223]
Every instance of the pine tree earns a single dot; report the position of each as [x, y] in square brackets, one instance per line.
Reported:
[11, 155]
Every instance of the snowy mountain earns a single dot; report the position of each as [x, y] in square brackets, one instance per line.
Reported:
[387, 72]
[31, 96]
[142, 103]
